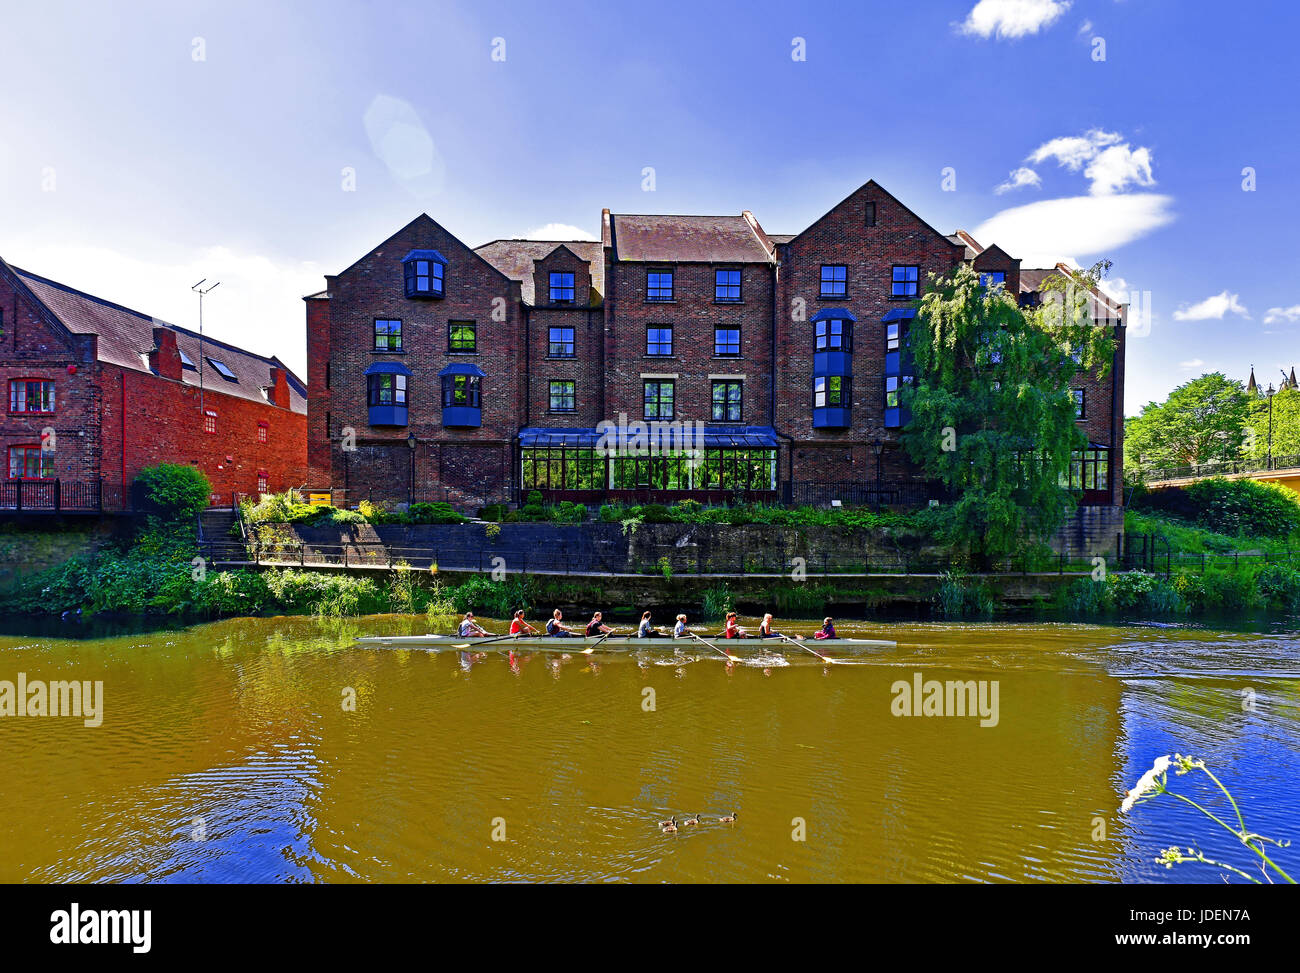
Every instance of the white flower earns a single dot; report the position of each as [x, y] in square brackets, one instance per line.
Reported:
[1145, 783]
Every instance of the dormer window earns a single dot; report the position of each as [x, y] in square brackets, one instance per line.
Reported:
[561, 288]
[186, 361]
[425, 272]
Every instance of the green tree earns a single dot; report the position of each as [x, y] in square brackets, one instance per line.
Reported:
[992, 414]
[174, 491]
[1286, 426]
[1202, 421]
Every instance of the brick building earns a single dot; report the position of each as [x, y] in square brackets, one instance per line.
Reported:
[437, 371]
[98, 391]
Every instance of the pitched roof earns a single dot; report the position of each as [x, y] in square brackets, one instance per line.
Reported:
[125, 338]
[781, 237]
[686, 239]
[1103, 306]
[964, 239]
[514, 258]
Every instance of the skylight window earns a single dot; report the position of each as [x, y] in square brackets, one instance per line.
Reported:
[185, 360]
[222, 370]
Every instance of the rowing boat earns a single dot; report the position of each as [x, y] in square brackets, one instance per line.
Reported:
[611, 643]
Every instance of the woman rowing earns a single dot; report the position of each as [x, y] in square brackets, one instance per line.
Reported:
[557, 629]
[469, 628]
[680, 630]
[646, 630]
[518, 626]
[765, 628]
[732, 629]
[597, 627]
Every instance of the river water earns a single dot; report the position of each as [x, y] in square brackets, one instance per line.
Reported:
[275, 750]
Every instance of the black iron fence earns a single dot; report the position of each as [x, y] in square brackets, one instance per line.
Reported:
[1156, 475]
[52, 496]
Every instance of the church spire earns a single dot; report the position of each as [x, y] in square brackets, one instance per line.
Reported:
[1251, 387]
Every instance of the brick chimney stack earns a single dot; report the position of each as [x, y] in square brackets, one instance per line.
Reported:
[277, 393]
[165, 356]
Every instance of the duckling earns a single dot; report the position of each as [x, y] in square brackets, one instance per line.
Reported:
[671, 826]
[693, 821]
[729, 818]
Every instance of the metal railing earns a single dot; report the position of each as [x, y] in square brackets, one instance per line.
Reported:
[1222, 468]
[52, 496]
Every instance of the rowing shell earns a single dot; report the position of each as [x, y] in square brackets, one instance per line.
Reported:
[612, 643]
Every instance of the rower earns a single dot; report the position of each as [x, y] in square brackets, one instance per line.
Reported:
[648, 631]
[557, 629]
[733, 630]
[827, 631]
[765, 628]
[469, 627]
[679, 630]
[518, 626]
[597, 627]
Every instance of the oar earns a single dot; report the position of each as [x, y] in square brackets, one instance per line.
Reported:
[733, 658]
[592, 648]
[475, 645]
[824, 658]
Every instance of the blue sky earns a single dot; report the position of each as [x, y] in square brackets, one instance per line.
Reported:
[152, 144]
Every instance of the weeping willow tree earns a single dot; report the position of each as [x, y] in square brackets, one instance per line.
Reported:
[993, 417]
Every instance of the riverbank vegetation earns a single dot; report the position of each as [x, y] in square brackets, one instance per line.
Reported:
[289, 508]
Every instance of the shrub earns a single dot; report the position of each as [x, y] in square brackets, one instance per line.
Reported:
[174, 491]
[493, 512]
[717, 601]
[1279, 586]
[1240, 507]
[957, 597]
[236, 592]
[434, 513]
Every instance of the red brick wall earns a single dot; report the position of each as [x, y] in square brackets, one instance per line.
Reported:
[870, 253]
[341, 329]
[693, 315]
[160, 422]
[31, 347]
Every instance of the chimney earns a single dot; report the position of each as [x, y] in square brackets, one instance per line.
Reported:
[165, 356]
[277, 393]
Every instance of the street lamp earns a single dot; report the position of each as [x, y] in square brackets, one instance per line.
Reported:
[1269, 462]
[410, 493]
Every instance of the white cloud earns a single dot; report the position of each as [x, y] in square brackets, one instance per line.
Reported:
[1012, 18]
[1114, 168]
[1212, 308]
[1109, 162]
[1023, 176]
[1194, 363]
[558, 231]
[1275, 315]
[257, 307]
[1085, 27]
[1076, 226]
[1116, 288]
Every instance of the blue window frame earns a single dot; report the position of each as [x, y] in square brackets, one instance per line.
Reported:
[388, 334]
[460, 391]
[658, 399]
[222, 370]
[387, 389]
[659, 340]
[726, 342]
[833, 334]
[659, 285]
[906, 282]
[560, 344]
[561, 287]
[835, 280]
[831, 391]
[726, 286]
[424, 272]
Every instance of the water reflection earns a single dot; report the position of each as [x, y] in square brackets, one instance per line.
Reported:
[228, 753]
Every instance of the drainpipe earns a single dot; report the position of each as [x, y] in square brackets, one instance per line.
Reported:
[776, 313]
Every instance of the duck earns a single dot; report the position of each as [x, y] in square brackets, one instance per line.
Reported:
[692, 821]
[729, 818]
[664, 824]
[671, 826]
